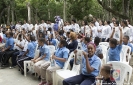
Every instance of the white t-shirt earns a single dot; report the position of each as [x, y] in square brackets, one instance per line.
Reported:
[96, 24]
[25, 45]
[18, 27]
[75, 27]
[126, 31]
[94, 31]
[30, 27]
[116, 34]
[106, 31]
[21, 43]
[100, 29]
[25, 26]
[36, 26]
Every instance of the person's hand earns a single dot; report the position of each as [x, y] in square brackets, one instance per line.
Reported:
[85, 55]
[35, 61]
[120, 28]
[32, 59]
[75, 51]
[53, 57]
[16, 44]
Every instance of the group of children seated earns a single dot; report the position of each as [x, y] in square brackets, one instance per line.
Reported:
[22, 45]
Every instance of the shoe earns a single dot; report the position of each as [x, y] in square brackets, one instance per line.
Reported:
[11, 67]
[42, 83]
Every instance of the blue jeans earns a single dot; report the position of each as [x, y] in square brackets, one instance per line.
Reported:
[79, 79]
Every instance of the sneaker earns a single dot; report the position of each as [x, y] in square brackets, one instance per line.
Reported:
[42, 83]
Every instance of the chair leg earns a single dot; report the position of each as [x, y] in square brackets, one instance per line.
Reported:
[24, 68]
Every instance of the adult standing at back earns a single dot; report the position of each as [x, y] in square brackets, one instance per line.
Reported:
[75, 26]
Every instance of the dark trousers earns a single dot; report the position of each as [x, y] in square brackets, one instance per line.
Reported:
[21, 60]
[14, 57]
[79, 79]
[71, 63]
[5, 56]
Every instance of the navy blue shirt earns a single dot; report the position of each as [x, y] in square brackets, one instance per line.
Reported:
[73, 45]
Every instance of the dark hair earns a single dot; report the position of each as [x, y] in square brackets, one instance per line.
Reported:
[97, 40]
[92, 22]
[125, 22]
[128, 21]
[32, 37]
[42, 40]
[11, 34]
[19, 36]
[49, 29]
[87, 39]
[113, 41]
[117, 23]
[107, 68]
[63, 42]
[108, 22]
[61, 32]
[68, 33]
[126, 36]
[74, 20]
[86, 23]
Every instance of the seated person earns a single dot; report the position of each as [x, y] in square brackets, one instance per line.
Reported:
[98, 48]
[6, 52]
[90, 68]
[107, 76]
[19, 45]
[44, 55]
[51, 40]
[84, 43]
[114, 51]
[29, 54]
[72, 45]
[60, 57]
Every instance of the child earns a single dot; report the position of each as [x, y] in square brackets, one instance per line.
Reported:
[114, 51]
[106, 73]
[89, 70]
[98, 48]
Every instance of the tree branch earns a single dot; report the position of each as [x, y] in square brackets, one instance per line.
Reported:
[116, 13]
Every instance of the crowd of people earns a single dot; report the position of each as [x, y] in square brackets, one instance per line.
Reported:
[22, 40]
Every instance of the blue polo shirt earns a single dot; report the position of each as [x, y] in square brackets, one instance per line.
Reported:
[84, 47]
[94, 63]
[114, 53]
[45, 50]
[129, 46]
[9, 42]
[31, 48]
[61, 53]
[53, 41]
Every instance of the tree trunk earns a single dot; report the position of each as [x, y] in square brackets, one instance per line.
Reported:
[29, 11]
[12, 16]
[8, 16]
[64, 11]
[2, 14]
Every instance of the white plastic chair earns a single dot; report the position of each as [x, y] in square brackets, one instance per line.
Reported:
[61, 74]
[124, 68]
[52, 49]
[104, 43]
[79, 46]
[104, 51]
[27, 64]
[126, 50]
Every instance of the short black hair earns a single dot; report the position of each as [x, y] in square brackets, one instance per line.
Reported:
[11, 34]
[61, 32]
[107, 69]
[126, 36]
[63, 42]
[125, 22]
[87, 39]
[113, 41]
[108, 22]
[117, 23]
[19, 36]
[97, 40]
[42, 40]
[74, 20]
[49, 29]
[32, 37]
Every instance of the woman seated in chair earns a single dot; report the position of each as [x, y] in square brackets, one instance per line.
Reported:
[90, 68]
[72, 45]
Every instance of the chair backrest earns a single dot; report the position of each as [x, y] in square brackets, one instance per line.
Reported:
[57, 43]
[52, 49]
[126, 53]
[124, 68]
[79, 46]
[76, 69]
[37, 53]
[104, 51]
[68, 60]
[104, 43]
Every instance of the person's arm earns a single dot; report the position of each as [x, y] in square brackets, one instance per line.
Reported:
[25, 52]
[112, 33]
[88, 66]
[120, 35]
[26, 37]
[7, 48]
[20, 46]
[64, 59]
